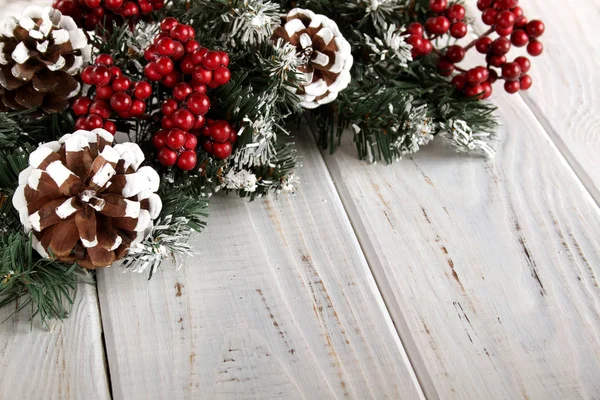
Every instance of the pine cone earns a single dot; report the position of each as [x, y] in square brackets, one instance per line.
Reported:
[86, 200]
[328, 55]
[39, 54]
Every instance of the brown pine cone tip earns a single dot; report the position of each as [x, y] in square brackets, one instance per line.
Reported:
[39, 55]
[327, 53]
[86, 200]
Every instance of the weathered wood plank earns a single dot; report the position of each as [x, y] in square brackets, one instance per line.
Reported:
[490, 268]
[565, 96]
[65, 362]
[280, 304]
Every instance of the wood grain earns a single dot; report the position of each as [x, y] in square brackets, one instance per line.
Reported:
[64, 362]
[565, 98]
[490, 267]
[279, 304]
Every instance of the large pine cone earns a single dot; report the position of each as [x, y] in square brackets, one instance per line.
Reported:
[86, 200]
[39, 53]
[328, 55]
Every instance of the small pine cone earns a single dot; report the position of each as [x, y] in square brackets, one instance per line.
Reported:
[39, 55]
[86, 200]
[328, 55]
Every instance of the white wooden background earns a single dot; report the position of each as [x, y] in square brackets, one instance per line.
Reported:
[439, 277]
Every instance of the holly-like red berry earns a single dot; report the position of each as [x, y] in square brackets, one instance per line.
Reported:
[500, 46]
[456, 12]
[438, 6]
[159, 139]
[183, 119]
[484, 4]
[512, 86]
[168, 24]
[120, 102]
[191, 141]
[104, 92]
[165, 46]
[81, 106]
[535, 28]
[459, 82]
[113, 4]
[505, 19]
[93, 121]
[445, 68]
[138, 108]
[220, 131]
[525, 82]
[455, 54]
[489, 16]
[104, 59]
[414, 29]
[181, 91]
[458, 30]
[519, 38]
[511, 71]
[524, 63]
[212, 60]
[222, 150]
[121, 84]
[101, 75]
[142, 91]
[101, 108]
[169, 106]
[187, 160]
[172, 79]
[483, 44]
[110, 127]
[151, 73]
[474, 91]
[167, 157]
[198, 103]
[164, 65]
[222, 76]
[535, 48]
[175, 139]
[476, 76]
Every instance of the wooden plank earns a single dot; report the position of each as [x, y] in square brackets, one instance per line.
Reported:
[280, 304]
[565, 97]
[65, 362]
[490, 267]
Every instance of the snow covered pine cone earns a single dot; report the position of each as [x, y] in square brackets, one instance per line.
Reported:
[39, 53]
[86, 200]
[327, 53]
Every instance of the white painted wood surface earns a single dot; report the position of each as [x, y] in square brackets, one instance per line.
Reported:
[490, 268]
[63, 362]
[280, 304]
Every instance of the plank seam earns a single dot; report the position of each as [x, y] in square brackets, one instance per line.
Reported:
[103, 338]
[417, 364]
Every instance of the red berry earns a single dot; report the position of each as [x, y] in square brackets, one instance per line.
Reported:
[90, 22]
[416, 42]
[524, 63]
[145, 7]
[425, 48]
[159, 138]
[130, 9]
[190, 141]
[81, 106]
[459, 81]
[113, 4]
[511, 71]
[500, 46]
[187, 160]
[211, 60]
[121, 84]
[517, 11]
[168, 23]
[198, 103]
[535, 47]
[179, 52]
[488, 90]
[505, 19]
[86, 75]
[199, 123]
[172, 79]
[101, 75]
[456, 12]
[104, 92]
[519, 38]
[167, 123]
[493, 76]
[202, 76]
[476, 76]
[224, 58]
[181, 33]
[208, 146]
[150, 53]
[120, 102]
[483, 44]
[489, 16]
[163, 66]
[191, 46]
[183, 119]
[222, 150]
[496, 61]
[483, 4]
[473, 91]
[525, 82]
[101, 108]
[220, 131]
[142, 91]
[438, 6]
[138, 108]
[504, 31]
[455, 54]
[181, 91]
[175, 139]
[167, 157]
[93, 121]
[104, 59]
[165, 47]
[198, 55]
[458, 30]
[115, 71]
[521, 22]
[445, 68]
[415, 29]
[535, 28]
[110, 127]
[169, 106]
[187, 65]
[221, 76]
[81, 124]
[151, 73]
[512, 86]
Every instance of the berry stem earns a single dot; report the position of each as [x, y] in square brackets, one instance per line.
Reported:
[487, 33]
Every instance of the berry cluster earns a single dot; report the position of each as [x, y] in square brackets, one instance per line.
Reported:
[176, 57]
[179, 63]
[90, 13]
[507, 20]
[115, 94]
